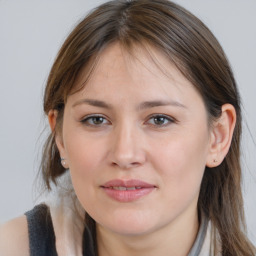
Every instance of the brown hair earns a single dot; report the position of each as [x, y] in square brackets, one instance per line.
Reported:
[189, 44]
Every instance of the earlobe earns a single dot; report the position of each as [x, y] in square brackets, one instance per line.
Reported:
[221, 136]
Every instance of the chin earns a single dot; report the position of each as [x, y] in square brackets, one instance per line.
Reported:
[131, 230]
[130, 224]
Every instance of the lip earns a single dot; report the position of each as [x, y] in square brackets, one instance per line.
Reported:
[127, 190]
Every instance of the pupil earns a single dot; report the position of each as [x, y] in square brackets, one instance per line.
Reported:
[159, 120]
[98, 120]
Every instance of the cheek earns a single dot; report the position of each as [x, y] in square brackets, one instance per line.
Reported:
[181, 164]
[84, 153]
[84, 163]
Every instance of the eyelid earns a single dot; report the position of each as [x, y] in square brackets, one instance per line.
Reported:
[85, 119]
[167, 117]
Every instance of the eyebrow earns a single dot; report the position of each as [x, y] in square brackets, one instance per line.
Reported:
[92, 102]
[159, 103]
[143, 105]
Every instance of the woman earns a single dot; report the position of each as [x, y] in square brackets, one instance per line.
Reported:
[146, 121]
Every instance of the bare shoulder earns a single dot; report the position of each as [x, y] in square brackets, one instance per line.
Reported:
[14, 237]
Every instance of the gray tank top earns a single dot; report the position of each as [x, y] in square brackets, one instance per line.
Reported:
[40, 230]
[42, 237]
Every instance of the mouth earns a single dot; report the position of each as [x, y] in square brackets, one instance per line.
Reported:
[124, 188]
[127, 190]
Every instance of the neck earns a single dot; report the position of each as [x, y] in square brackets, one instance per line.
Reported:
[172, 239]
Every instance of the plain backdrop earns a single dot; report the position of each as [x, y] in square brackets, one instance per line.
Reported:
[31, 33]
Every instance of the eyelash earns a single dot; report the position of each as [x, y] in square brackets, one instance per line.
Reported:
[163, 117]
[167, 120]
[90, 118]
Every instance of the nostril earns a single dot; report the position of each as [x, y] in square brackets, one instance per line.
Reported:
[126, 166]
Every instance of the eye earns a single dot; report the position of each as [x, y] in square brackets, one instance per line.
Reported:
[95, 121]
[160, 120]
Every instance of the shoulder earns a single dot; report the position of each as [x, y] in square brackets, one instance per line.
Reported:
[14, 238]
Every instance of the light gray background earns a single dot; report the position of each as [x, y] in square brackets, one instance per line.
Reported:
[31, 33]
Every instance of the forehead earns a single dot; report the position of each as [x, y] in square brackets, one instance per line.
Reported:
[139, 62]
[132, 76]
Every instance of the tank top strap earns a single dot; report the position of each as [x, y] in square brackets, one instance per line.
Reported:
[41, 232]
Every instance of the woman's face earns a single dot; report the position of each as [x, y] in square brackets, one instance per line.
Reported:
[137, 141]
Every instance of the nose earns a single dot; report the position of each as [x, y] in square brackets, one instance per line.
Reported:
[127, 147]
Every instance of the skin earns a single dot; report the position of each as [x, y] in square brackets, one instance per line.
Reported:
[14, 237]
[131, 141]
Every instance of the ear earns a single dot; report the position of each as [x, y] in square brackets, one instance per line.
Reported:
[221, 136]
[52, 119]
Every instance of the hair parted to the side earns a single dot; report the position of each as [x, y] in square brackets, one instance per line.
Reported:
[189, 44]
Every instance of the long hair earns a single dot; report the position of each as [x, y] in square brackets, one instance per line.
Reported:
[188, 44]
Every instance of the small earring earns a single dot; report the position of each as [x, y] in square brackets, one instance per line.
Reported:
[63, 161]
[215, 161]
